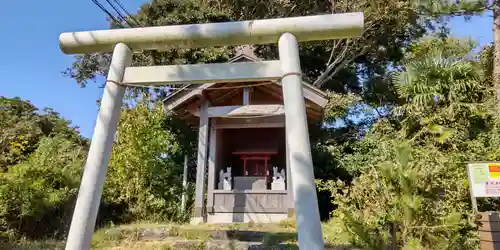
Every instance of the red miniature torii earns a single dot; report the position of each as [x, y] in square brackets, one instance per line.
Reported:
[245, 156]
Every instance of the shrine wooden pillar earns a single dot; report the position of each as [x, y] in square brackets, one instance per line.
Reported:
[212, 154]
[199, 207]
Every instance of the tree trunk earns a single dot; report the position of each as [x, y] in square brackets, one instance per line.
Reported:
[496, 50]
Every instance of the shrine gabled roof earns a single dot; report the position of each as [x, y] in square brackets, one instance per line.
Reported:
[188, 96]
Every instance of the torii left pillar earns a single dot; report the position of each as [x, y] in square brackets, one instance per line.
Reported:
[94, 174]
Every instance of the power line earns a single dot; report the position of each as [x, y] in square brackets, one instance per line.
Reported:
[107, 12]
[120, 15]
[125, 18]
[127, 13]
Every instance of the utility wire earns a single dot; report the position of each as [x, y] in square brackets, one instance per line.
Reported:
[120, 15]
[127, 13]
[154, 53]
[119, 24]
[107, 12]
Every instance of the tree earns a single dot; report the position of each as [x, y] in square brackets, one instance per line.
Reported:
[342, 65]
[145, 168]
[90, 67]
[468, 9]
[441, 87]
[416, 193]
[409, 169]
[22, 125]
[389, 27]
[37, 195]
[41, 157]
[354, 68]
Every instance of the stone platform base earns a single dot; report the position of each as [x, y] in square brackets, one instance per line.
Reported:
[195, 221]
[222, 218]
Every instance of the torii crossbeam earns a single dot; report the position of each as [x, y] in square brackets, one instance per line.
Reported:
[287, 32]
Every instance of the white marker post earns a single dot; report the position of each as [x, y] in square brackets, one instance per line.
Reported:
[184, 184]
[287, 30]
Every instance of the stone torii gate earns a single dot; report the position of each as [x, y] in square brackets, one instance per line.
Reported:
[287, 32]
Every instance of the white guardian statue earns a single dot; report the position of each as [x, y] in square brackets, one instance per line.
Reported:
[278, 179]
[225, 179]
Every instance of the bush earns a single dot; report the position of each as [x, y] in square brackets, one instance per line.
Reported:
[419, 193]
[37, 195]
[145, 169]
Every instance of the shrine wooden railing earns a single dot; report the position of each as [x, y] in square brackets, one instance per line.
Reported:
[249, 201]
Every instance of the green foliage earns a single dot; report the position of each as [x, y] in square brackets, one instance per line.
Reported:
[337, 65]
[159, 13]
[21, 127]
[37, 195]
[455, 8]
[447, 96]
[346, 65]
[146, 166]
[402, 120]
[338, 106]
[422, 193]
[408, 170]
[41, 158]
[38, 192]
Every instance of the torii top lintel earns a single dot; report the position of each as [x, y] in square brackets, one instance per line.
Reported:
[263, 31]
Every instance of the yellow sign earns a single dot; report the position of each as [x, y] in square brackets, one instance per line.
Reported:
[484, 179]
[494, 169]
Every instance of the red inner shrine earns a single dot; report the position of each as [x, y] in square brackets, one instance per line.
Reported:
[255, 163]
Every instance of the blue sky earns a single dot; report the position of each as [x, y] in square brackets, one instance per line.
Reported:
[32, 62]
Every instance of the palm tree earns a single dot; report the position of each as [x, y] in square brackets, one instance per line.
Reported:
[441, 92]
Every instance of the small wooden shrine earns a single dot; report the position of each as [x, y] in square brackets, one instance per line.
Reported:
[241, 147]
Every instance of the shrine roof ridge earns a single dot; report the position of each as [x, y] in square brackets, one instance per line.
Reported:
[245, 54]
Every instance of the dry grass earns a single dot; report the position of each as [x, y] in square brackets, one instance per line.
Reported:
[128, 236]
[132, 236]
[33, 245]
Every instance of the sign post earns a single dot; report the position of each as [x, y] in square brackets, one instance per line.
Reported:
[484, 179]
[484, 182]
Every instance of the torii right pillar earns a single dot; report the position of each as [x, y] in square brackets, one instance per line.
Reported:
[297, 138]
